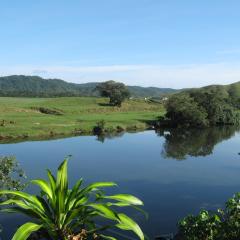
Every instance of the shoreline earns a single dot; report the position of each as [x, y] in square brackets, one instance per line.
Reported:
[55, 136]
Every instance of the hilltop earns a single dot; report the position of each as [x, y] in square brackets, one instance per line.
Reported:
[34, 86]
[229, 90]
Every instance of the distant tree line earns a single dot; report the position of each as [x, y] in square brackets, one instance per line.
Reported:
[34, 86]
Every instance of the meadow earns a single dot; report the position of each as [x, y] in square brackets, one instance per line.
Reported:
[51, 117]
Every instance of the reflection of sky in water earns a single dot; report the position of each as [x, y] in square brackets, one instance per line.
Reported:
[170, 189]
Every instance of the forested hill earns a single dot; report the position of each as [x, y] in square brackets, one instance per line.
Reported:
[204, 107]
[34, 86]
[231, 91]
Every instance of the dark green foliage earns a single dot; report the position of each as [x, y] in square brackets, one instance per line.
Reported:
[234, 93]
[183, 110]
[201, 227]
[218, 105]
[219, 225]
[33, 86]
[213, 105]
[115, 91]
[99, 128]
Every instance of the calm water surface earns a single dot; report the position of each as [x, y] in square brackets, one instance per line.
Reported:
[174, 172]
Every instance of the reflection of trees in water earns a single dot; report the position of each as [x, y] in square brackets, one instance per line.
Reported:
[103, 137]
[179, 143]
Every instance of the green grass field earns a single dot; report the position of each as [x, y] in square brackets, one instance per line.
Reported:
[20, 117]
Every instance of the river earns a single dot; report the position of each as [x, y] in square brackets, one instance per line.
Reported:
[174, 172]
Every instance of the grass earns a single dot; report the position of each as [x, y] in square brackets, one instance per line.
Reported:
[20, 117]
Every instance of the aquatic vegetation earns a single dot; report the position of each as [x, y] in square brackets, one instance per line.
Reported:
[64, 213]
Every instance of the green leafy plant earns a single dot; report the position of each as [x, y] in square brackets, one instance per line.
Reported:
[64, 213]
[219, 225]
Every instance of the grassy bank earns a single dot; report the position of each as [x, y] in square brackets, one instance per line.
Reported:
[48, 117]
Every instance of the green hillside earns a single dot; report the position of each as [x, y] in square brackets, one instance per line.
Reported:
[34, 86]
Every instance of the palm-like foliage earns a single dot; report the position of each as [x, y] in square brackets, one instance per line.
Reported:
[63, 213]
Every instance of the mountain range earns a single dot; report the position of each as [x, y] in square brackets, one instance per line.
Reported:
[34, 86]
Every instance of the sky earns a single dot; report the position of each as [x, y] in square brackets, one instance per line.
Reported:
[162, 43]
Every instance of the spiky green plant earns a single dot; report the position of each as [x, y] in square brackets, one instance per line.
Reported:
[63, 213]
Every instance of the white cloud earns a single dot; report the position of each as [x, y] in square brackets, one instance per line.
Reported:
[175, 76]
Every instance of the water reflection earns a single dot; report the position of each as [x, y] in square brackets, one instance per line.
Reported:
[180, 143]
[103, 137]
[169, 189]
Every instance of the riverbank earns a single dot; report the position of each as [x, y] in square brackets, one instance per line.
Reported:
[38, 118]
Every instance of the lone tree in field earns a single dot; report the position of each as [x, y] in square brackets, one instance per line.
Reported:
[117, 92]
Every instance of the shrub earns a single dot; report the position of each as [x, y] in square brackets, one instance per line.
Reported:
[219, 225]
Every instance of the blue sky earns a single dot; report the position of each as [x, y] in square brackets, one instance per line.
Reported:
[174, 43]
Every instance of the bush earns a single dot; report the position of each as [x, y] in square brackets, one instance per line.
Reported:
[198, 108]
[219, 225]
[11, 174]
[99, 129]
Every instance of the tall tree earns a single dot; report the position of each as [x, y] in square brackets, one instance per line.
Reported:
[116, 92]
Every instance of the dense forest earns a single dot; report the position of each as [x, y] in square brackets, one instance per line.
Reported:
[34, 86]
[207, 106]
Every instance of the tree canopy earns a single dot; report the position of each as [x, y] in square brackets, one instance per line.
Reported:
[116, 92]
[209, 106]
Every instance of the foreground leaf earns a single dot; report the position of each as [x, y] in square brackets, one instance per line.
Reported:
[44, 186]
[125, 198]
[107, 237]
[127, 223]
[25, 231]
[101, 184]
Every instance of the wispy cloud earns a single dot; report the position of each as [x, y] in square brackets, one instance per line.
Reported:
[175, 76]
